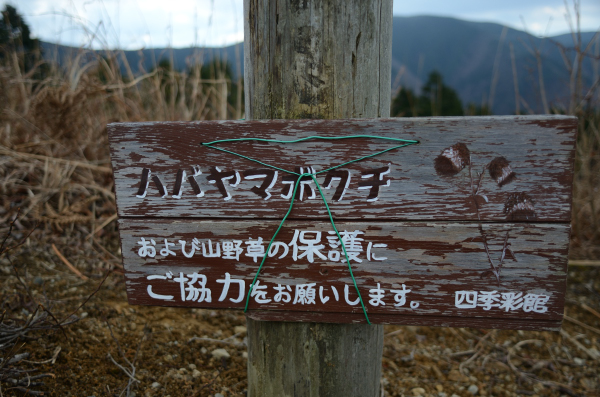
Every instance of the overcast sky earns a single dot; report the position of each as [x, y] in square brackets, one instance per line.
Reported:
[133, 24]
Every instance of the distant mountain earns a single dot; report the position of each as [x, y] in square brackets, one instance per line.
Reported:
[567, 38]
[463, 52]
[144, 60]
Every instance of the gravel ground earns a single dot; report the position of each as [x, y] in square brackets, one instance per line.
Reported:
[114, 349]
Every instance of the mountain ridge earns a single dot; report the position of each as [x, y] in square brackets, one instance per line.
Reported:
[473, 57]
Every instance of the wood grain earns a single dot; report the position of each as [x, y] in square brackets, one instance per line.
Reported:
[432, 259]
[538, 149]
[315, 59]
[474, 193]
[417, 320]
[318, 59]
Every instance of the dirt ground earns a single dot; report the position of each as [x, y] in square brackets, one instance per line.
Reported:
[114, 349]
[69, 331]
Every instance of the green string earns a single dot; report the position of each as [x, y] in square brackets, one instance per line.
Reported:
[406, 142]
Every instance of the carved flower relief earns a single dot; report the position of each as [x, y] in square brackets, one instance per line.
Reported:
[500, 171]
[519, 207]
[452, 160]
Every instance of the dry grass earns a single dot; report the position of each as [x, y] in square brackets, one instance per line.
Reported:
[56, 182]
[53, 144]
[54, 151]
[55, 172]
[585, 237]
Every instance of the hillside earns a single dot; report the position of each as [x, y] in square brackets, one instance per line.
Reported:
[66, 328]
[463, 52]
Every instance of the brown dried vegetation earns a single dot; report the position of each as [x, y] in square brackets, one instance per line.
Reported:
[55, 175]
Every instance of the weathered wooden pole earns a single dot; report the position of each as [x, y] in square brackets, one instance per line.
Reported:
[327, 59]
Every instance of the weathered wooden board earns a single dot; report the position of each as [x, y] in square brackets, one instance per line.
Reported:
[434, 261]
[539, 151]
[468, 228]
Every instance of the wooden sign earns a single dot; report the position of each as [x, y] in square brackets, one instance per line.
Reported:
[469, 227]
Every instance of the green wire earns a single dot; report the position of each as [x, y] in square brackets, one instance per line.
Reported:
[325, 138]
[271, 242]
[366, 157]
[406, 142]
[343, 248]
[251, 159]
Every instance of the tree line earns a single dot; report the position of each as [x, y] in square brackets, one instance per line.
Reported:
[436, 99]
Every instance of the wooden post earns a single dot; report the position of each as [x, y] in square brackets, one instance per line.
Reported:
[329, 60]
[456, 212]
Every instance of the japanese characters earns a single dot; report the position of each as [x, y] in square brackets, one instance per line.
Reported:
[193, 288]
[505, 301]
[192, 182]
[305, 244]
